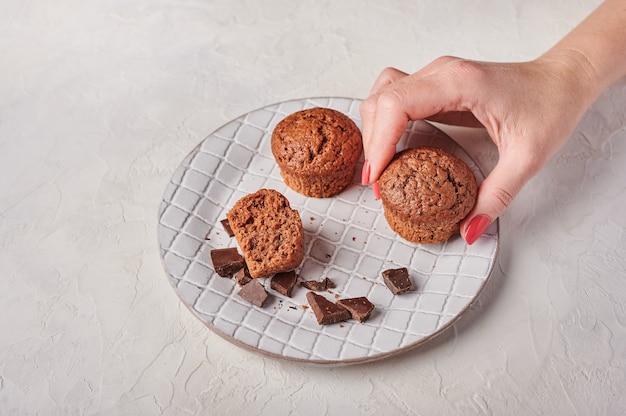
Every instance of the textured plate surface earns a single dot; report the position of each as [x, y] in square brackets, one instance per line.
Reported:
[346, 238]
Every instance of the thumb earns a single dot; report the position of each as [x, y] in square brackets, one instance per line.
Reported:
[495, 195]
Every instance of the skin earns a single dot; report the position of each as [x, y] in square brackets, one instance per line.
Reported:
[530, 109]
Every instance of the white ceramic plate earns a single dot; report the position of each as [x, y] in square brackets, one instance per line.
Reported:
[346, 238]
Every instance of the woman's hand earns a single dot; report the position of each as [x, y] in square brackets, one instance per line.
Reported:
[529, 110]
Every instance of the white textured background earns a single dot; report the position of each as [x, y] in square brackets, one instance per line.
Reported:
[101, 100]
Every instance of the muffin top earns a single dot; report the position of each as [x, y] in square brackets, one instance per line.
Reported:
[316, 141]
[428, 185]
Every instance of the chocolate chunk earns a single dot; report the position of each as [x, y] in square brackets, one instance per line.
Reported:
[227, 228]
[254, 292]
[226, 261]
[243, 276]
[326, 312]
[360, 308]
[284, 282]
[397, 280]
[319, 286]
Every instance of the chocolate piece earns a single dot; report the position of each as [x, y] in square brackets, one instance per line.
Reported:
[360, 308]
[284, 282]
[254, 292]
[326, 312]
[227, 228]
[226, 261]
[397, 280]
[243, 276]
[320, 286]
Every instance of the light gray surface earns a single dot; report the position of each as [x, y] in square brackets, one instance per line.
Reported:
[100, 102]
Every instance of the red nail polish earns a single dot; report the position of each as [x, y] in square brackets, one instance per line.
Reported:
[365, 173]
[476, 228]
[376, 190]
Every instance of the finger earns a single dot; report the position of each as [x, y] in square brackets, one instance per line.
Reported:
[410, 98]
[390, 122]
[368, 109]
[387, 76]
[437, 89]
[496, 194]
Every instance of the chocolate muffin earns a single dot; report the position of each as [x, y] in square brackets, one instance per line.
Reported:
[268, 231]
[317, 151]
[426, 192]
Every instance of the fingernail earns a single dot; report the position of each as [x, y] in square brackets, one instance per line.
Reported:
[365, 173]
[476, 228]
[376, 190]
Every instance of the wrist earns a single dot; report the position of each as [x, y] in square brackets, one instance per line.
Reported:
[595, 48]
[576, 73]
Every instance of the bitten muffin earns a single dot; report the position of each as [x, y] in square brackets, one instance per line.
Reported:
[317, 151]
[426, 192]
[268, 231]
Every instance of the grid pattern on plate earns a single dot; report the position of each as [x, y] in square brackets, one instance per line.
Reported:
[346, 239]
